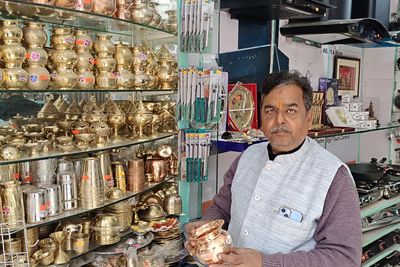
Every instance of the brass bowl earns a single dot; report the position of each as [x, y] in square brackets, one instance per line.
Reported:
[32, 128]
[104, 220]
[152, 212]
[48, 243]
[115, 193]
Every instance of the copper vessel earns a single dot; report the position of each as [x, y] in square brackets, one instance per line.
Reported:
[210, 240]
[157, 170]
[135, 179]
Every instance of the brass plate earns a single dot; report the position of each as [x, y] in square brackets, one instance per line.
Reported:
[241, 108]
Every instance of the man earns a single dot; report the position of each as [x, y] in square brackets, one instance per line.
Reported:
[289, 202]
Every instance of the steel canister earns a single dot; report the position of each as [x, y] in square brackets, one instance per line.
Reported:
[54, 206]
[35, 203]
[69, 190]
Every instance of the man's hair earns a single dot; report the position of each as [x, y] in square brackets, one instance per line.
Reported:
[288, 78]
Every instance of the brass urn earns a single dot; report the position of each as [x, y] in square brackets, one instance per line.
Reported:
[140, 12]
[124, 59]
[85, 60]
[105, 63]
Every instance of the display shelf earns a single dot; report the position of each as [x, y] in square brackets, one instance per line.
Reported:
[379, 205]
[59, 154]
[381, 255]
[371, 236]
[359, 131]
[156, 91]
[26, 11]
[68, 214]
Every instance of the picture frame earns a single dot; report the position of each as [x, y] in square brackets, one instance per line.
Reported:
[347, 71]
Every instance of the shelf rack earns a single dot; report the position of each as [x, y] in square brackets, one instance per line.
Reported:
[379, 205]
[59, 16]
[371, 236]
[68, 214]
[381, 255]
[59, 154]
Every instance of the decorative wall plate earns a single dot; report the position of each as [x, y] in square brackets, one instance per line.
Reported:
[241, 108]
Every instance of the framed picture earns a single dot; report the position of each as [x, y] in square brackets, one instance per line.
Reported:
[347, 71]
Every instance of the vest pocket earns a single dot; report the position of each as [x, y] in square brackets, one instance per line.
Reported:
[291, 234]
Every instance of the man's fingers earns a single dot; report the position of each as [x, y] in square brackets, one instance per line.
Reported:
[241, 250]
[230, 258]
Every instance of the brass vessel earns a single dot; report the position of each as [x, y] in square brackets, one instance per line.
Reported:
[10, 32]
[140, 12]
[62, 38]
[104, 46]
[11, 203]
[104, 7]
[34, 35]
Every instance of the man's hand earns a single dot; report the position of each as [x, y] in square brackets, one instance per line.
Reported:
[240, 257]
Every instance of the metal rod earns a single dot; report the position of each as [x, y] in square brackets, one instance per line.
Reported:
[272, 47]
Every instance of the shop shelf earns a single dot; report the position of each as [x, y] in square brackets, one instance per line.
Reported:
[26, 11]
[360, 131]
[379, 205]
[72, 213]
[59, 154]
[381, 255]
[371, 236]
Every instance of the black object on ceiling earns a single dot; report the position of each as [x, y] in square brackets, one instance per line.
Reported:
[349, 31]
[263, 10]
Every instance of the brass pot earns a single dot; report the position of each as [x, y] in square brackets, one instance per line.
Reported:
[86, 79]
[172, 204]
[64, 78]
[167, 76]
[105, 63]
[123, 56]
[104, 7]
[10, 32]
[34, 35]
[15, 77]
[125, 79]
[63, 57]
[106, 81]
[172, 22]
[62, 38]
[13, 53]
[48, 244]
[83, 41]
[141, 13]
[102, 131]
[156, 20]
[141, 81]
[85, 60]
[123, 13]
[103, 46]
[37, 56]
[210, 240]
[38, 78]
[80, 243]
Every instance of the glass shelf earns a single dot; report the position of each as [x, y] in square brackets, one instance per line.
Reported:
[379, 205]
[22, 10]
[59, 154]
[357, 131]
[155, 91]
[371, 236]
[381, 255]
[92, 247]
[72, 213]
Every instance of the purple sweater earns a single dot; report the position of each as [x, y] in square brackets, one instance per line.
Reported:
[338, 233]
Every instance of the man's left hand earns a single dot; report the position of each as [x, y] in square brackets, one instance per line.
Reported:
[240, 257]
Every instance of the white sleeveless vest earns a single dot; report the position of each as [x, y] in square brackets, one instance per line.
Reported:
[299, 180]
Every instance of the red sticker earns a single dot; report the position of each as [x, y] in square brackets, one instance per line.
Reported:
[80, 42]
[28, 179]
[107, 177]
[75, 132]
[44, 77]
[16, 175]
[27, 56]
[87, 2]
[43, 207]
[89, 79]
[85, 177]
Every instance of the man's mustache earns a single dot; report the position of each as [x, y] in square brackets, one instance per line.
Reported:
[280, 128]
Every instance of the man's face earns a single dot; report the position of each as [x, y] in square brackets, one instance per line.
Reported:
[285, 121]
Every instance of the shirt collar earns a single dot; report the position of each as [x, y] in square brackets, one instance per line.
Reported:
[291, 155]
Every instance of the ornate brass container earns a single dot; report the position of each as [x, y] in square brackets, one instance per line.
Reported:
[38, 77]
[62, 38]
[104, 46]
[10, 32]
[83, 41]
[142, 117]
[140, 12]
[11, 203]
[123, 56]
[64, 78]
[34, 35]
[85, 60]
[156, 20]
[172, 22]
[65, 3]
[15, 77]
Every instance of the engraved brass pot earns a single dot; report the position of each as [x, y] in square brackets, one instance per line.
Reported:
[62, 38]
[34, 35]
[10, 32]
[103, 46]
[15, 77]
[64, 78]
[105, 7]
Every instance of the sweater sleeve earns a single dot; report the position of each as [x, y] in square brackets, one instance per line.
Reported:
[338, 235]
[221, 207]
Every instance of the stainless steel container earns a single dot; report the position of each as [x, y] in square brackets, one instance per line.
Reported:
[69, 190]
[91, 185]
[78, 164]
[54, 205]
[35, 203]
[44, 172]
[65, 166]
[26, 172]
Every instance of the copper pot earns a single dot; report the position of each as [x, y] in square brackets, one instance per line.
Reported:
[210, 240]
[158, 169]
